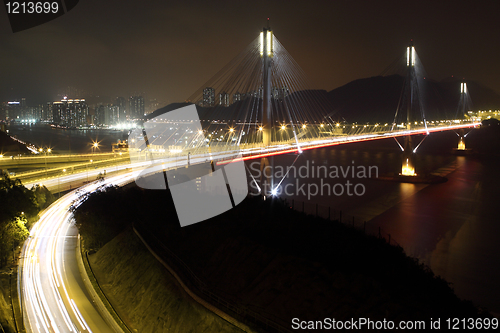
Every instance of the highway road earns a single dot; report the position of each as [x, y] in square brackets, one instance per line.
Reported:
[54, 298]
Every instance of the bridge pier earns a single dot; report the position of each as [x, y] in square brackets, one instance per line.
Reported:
[461, 143]
[408, 166]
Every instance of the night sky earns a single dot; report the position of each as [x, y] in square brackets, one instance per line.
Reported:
[169, 49]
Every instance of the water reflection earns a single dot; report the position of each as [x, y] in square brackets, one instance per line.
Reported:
[67, 141]
[452, 227]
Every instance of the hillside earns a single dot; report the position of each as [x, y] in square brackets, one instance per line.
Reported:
[375, 99]
[287, 264]
[267, 258]
[144, 293]
[9, 147]
[6, 317]
[311, 102]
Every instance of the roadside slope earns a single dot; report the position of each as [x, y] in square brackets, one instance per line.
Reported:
[6, 318]
[144, 293]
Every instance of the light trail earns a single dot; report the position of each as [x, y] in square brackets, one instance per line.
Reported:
[52, 298]
[246, 154]
[254, 153]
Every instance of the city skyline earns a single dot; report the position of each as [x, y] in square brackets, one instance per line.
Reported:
[170, 50]
[77, 112]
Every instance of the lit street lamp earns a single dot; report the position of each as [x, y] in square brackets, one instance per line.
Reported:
[91, 161]
[95, 145]
[47, 151]
[59, 183]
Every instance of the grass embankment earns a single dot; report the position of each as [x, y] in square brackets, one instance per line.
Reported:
[145, 295]
[8, 290]
[6, 316]
[260, 256]
[268, 257]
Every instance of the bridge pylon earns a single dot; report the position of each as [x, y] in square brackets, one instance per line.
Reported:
[267, 53]
[462, 113]
[408, 166]
[462, 105]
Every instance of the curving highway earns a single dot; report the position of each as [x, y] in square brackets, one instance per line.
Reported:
[54, 298]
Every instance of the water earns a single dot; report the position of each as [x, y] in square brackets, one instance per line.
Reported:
[65, 141]
[452, 227]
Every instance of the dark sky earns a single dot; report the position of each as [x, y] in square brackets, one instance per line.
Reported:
[169, 49]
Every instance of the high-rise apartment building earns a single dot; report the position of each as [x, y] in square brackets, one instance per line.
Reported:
[70, 112]
[136, 107]
[224, 99]
[121, 103]
[208, 97]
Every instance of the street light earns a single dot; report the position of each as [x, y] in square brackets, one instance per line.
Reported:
[59, 183]
[46, 173]
[47, 151]
[91, 161]
[87, 165]
[95, 145]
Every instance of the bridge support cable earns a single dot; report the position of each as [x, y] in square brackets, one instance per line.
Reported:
[316, 105]
[285, 81]
[402, 149]
[253, 178]
[415, 150]
[397, 109]
[275, 189]
[233, 99]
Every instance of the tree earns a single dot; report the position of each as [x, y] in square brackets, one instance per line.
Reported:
[15, 199]
[19, 208]
[43, 197]
[102, 216]
[12, 233]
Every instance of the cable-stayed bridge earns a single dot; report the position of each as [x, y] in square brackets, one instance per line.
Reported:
[260, 105]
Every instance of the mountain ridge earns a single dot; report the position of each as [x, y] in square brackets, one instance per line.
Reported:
[373, 99]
